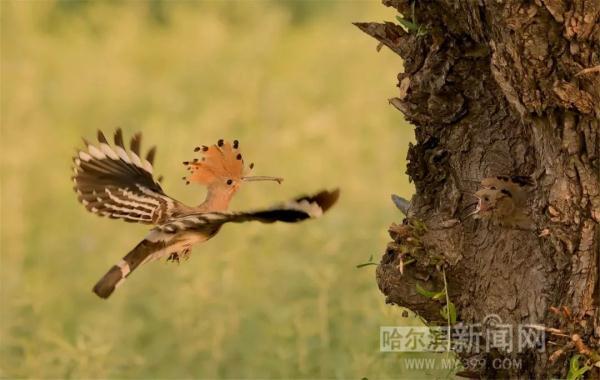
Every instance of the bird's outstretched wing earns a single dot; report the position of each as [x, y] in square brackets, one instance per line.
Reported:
[176, 237]
[115, 182]
[294, 211]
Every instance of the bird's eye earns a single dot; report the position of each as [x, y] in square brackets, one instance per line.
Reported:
[487, 199]
[229, 181]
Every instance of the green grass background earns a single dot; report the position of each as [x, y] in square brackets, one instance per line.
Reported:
[305, 93]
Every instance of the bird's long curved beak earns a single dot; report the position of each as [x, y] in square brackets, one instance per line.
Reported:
[262, 178]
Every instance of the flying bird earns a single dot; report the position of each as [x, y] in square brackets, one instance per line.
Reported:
[116, 182]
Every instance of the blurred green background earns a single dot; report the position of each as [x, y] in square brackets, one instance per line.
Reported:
[305, 93]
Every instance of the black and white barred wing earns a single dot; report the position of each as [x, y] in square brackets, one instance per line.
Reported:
[294, 211]
[115, 182]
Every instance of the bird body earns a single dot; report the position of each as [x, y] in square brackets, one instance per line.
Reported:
[118, 183]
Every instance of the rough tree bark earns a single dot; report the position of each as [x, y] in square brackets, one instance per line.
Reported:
[503, 87]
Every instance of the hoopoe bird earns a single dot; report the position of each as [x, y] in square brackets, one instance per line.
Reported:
[112, 181]
[503, 200]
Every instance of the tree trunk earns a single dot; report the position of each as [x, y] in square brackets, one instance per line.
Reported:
[503, 88]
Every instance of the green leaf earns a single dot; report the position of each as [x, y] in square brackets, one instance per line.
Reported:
[574, 363]
[448, 312]
[576, 372]
[370, 262]
[365, 265]
[429, 294]
[407, 24]
[452, 310]
[438, 296]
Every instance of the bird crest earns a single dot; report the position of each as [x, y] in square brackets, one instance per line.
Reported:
[221, 163]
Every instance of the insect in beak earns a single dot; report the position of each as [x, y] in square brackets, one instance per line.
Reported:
[262, 178]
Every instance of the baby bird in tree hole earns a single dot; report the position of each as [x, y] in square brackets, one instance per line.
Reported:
[503, 201]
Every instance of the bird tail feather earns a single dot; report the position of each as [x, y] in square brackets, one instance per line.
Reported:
[117, 274]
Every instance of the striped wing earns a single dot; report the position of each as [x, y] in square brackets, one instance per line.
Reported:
[297, 210]
[115, 182]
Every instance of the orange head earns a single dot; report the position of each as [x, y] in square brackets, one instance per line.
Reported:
[221, 169]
